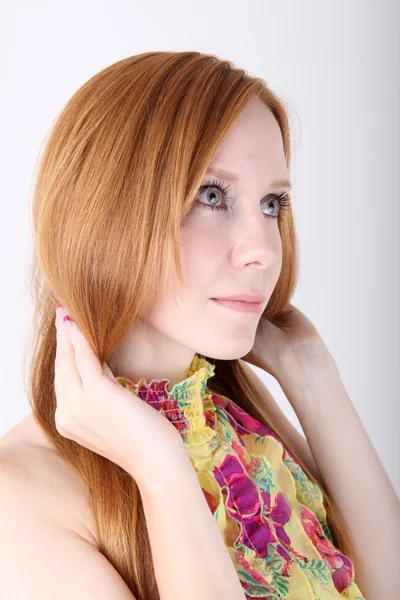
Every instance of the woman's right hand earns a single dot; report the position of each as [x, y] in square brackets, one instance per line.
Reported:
[96, 411]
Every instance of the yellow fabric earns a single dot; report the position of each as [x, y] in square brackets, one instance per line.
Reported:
[271, 516]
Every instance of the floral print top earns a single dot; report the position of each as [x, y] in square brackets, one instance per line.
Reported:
[271, 516]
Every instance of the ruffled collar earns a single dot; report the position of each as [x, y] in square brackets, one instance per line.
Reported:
[188, 405]
[271, 516]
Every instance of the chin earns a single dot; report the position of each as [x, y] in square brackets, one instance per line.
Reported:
[228, 353]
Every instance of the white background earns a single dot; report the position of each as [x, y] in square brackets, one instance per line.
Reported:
[337, 65]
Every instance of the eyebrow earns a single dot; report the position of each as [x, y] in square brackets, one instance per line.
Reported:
[277, 184]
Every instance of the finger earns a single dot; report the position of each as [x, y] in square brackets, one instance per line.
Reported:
[87, 363]
[66, 371]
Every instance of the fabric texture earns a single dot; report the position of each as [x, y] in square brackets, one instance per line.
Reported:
[270, 514]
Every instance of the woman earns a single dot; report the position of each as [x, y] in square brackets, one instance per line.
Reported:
[155, 464]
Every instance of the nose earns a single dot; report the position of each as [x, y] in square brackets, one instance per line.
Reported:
[257, 241]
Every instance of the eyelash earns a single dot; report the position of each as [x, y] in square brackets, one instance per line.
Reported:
[282, 199]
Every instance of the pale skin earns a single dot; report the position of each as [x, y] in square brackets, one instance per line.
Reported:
[246, 253]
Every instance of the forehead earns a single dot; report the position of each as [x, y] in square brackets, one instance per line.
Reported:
[253, 145]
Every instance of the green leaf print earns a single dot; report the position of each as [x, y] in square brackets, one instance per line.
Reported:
[318, 569]
[326, 529]
[222, 415]
[281, 584]
[260, 438]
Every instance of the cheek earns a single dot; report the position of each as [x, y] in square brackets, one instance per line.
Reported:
[199, 251]
[277, 250]
[275, 264]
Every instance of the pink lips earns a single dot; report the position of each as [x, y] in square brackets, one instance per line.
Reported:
[249, 307]
[243, 297]
[250, 303]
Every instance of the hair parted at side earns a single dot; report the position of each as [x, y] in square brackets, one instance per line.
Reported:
[118, 173]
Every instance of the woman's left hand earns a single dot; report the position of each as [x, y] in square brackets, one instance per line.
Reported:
[291, 341]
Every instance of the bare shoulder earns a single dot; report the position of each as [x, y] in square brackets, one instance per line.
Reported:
[47, 545]
[42, 477]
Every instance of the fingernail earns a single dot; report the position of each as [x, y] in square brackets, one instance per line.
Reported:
[59, 305]
[67, 321]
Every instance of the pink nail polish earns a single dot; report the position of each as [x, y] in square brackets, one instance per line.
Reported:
[65, 319]
[59, 305]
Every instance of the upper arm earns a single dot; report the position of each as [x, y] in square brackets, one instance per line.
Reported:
[298, 441]
[42, 560]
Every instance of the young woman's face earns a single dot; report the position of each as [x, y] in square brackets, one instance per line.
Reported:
[232, 250]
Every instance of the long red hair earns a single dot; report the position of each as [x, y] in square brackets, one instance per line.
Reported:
[118, 173]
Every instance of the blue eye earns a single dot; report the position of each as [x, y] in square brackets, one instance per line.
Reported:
[282, 201]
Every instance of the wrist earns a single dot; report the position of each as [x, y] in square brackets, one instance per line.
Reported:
[306, 364]
[303, 381]
[170, 468]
